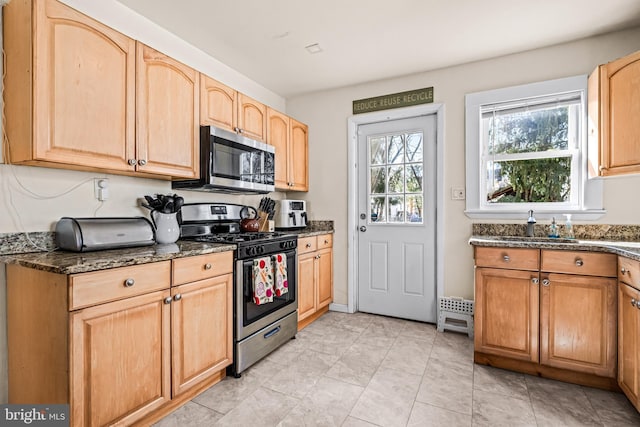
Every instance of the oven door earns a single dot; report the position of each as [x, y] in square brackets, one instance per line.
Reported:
[251, 317]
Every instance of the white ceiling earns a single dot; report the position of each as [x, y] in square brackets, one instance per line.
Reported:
[365, 40]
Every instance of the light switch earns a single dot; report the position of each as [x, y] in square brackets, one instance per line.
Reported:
[457, 193]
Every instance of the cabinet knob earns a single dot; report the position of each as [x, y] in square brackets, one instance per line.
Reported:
[506, 258]
[535, 280]
[623, 271]
[177, 297]
[142, 162]
[129, 282]
[579, 262]
[546, 282]
[317, 256]
[633, 302]
[132, 162]
[326, 242]
[308, 245]
[167, 300]
[638, 304]
[207, 266]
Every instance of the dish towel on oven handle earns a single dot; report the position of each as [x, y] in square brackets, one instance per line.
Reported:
[262, 280]
[281, 285]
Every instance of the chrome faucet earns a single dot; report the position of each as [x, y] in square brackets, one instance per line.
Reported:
[531, 222]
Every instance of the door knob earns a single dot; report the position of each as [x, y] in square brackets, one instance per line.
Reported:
[363, 228]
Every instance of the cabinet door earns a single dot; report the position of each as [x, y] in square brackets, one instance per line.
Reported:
[506, 313]
[306, 285]
[615, 107]
[578, 323]
[84, 90]
[201, 330]
[218, 105]
[325, 277]
[278, 131]
[629, 343]
[120, 360]
[167, 102]
[252, 118]
[299, 156]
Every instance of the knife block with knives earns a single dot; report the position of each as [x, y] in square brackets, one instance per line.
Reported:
[266, 210]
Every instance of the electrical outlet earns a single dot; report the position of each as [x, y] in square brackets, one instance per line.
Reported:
[101, 188]
[457, 193]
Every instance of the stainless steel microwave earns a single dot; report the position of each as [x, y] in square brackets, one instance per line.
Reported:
[232, 163]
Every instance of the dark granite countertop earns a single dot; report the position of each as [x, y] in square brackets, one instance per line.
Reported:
[65, 262]
[629, 249]
[16, 249]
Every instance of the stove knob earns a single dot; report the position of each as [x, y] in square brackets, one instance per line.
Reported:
[250, 251]
[260, 250]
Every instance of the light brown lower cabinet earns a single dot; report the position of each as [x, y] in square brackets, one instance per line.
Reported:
[548, 313]
[121, 346]
[315, 277]
[629, 329]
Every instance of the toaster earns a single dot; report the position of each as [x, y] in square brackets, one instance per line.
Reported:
[94, 234]
[291, 214]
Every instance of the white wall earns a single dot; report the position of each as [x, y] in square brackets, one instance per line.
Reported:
[326, 114]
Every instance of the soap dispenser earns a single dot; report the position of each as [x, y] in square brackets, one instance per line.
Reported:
[568, 228]
[553, 229]
[530, 223]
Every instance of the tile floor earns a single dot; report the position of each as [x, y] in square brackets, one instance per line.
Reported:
[358, 369]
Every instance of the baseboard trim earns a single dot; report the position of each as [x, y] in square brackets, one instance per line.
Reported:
[342, 308]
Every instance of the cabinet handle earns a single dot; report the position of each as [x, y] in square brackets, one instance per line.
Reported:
[207, 266]
[167, 300]
[579, 262]
[623, 271]
[177, 297]
[546, 282]
[142, 162]
[129, 282]
[535, 280]
[506, 258]
[132, 162]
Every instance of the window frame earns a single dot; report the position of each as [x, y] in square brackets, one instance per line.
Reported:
[587, 204]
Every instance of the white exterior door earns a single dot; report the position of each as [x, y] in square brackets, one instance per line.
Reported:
[397, 218]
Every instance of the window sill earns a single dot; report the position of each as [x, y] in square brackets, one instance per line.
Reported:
[576, 215]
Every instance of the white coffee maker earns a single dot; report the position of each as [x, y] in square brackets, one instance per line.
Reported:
[291, 214]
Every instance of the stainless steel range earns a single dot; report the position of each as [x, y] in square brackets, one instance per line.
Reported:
[258, 328]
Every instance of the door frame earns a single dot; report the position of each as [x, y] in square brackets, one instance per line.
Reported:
[352, 222]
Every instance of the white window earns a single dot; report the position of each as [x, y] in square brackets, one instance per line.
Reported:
[526, 149]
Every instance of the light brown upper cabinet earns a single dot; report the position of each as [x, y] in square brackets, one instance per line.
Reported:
[167, 105]
[290, 138]
[71, 100]
[614, 108]
[229, 109]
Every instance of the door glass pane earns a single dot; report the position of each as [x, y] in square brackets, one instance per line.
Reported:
[396, 148]
[396, 178]
[378, 211]
[414, 178]
[396, 209]
[414, 147]
[377, 149]
[378, 180]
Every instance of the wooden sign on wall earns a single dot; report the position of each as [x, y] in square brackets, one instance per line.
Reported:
[395, 100]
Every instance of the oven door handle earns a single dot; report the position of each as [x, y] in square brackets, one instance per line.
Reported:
[272, 332]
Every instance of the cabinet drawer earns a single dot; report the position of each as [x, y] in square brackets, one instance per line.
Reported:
[511, 258]
[201, 267]
[97, 287]
[579, 262]
[325, 241]
[629, 272]
[307, 244]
